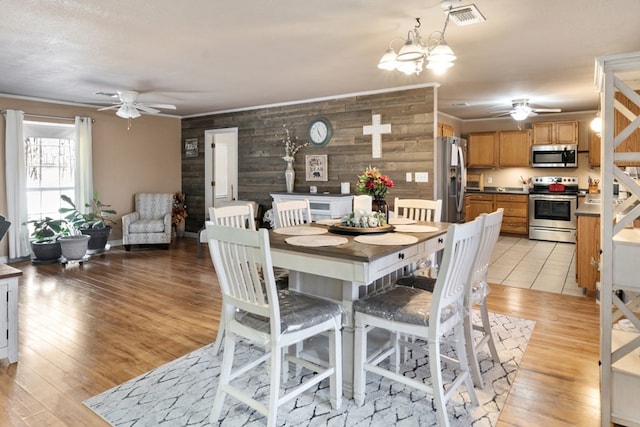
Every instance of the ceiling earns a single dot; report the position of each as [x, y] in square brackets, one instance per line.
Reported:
[208, 56]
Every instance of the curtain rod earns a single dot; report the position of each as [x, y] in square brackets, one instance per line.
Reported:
[43, 116]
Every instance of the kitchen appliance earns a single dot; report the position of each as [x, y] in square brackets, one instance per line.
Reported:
[554, 156]
[553, 201]
[451, 177]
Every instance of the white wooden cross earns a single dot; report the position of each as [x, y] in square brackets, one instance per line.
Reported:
[376, 130]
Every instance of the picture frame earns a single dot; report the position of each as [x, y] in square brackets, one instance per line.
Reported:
[316, 167]
[191, 147]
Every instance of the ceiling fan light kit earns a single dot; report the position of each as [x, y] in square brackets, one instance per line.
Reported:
[128, 107]
[522, 110]
[439, 56]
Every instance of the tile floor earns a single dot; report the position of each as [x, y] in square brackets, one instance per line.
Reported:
[534, 264]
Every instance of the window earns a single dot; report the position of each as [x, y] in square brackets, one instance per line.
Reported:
[50, 153]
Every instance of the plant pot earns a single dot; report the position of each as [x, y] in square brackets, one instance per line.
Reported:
[98, 237]
[45, 252]
[74, 247]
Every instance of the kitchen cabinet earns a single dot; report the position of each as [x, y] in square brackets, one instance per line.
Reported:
[587, 252]
[514, 148]
[516, 210]
[555, 132]
[516, 213]
[445, 130]
[482, 150]
[594, 149]
[478, 204]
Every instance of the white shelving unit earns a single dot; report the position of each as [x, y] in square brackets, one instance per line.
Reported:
[620, 245]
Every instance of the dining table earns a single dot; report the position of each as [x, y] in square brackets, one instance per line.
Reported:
[343, 264]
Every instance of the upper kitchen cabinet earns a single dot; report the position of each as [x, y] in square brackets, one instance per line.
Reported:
[482, 149]
[594, 149]
[514, 148]
[445, 130]
[493, 149]
[555, 132]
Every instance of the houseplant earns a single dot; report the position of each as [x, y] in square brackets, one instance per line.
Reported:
[44, 239]
[93, 223]
[375, 184]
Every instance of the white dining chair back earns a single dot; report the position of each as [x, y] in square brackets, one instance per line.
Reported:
[291, 212]
[362, 202]
[476, 295]
[425, 315]
[418, 209]
[239, 216]
[254, 310]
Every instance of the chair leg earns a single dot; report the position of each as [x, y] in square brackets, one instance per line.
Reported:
[225, 378]
[461, 352]
[471, 350]
[274, 391]
[359, 356]
[486, 325]
[335, 360]
[127, 248]
[435, 365]
[219, 337]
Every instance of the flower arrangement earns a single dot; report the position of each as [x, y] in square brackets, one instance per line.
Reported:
[364, 219]
[373, 183]
[179, 210]
[291, 146]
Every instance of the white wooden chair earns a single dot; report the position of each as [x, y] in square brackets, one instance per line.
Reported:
[418, 209]
[291, 212]
[238, 216]
[256, 311]
[428, 316]
[476, 294]
[202, 234]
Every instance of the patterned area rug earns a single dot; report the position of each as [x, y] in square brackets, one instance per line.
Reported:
[181, 392]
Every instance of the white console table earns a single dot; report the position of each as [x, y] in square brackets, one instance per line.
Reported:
[9, 312]
[323, 206]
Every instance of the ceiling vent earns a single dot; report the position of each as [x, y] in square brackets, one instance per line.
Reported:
[466, 15]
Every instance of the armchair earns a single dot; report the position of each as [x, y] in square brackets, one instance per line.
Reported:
[151, 221]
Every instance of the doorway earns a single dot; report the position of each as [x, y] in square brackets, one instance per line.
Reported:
[220, 166]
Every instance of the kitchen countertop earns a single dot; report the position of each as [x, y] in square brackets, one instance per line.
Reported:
[587, 208]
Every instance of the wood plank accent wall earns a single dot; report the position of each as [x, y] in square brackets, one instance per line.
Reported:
[409, 147]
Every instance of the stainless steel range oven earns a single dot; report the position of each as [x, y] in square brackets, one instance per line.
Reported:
[552, 208]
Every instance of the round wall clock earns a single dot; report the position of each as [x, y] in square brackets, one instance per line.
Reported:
[319, 132]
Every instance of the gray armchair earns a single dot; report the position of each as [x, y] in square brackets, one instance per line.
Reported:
[151, 221]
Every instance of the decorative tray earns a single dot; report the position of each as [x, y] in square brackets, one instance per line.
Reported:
[345, 229]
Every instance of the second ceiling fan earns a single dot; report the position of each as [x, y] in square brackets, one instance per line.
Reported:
[521, 109]
[129, 108]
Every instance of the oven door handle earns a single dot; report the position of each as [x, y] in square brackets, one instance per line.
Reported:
[552, 197]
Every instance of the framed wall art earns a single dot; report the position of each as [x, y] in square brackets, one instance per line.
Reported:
[191, 147]
[317, 167]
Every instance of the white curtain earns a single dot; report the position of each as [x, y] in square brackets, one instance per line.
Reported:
[18, 235]
[84, 163]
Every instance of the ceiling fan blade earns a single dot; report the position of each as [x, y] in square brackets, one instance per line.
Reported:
[163, 106]
[146, 109]
[547, 110]
[112, 95]
[112, 107]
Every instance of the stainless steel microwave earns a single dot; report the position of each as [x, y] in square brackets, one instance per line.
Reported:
[554, 156]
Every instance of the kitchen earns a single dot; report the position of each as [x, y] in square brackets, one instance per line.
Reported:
[543, 209]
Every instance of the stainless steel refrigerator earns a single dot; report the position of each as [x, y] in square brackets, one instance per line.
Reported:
[451, 177]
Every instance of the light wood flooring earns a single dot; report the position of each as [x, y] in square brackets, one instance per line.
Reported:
[84, 329]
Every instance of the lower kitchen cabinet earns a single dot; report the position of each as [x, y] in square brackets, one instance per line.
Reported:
[516, 210]
[587, 252]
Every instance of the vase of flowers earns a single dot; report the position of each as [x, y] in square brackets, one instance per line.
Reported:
[291, 147]
[375, 184]
[179, 213]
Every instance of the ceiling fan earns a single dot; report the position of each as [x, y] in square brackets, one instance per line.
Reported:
[127, 106]
[521, 109]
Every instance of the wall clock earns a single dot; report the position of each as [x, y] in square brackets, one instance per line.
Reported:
[319, 132]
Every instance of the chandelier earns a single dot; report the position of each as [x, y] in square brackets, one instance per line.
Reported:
[410, 58]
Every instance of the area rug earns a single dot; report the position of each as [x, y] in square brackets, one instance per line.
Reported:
[181, 392]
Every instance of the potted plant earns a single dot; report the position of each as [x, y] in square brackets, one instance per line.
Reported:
[44, 239]
[93, 223]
